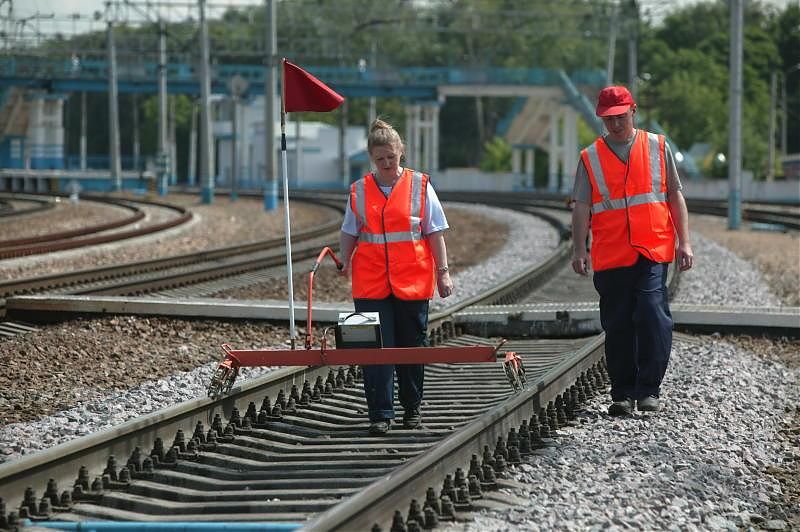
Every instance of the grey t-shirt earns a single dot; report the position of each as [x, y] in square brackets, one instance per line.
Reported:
[582, 189]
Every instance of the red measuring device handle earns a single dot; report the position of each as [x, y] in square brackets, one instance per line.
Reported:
[339, 265]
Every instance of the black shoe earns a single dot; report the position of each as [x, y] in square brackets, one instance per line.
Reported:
[411, 418]
[379, 428]
[649, 404]
[621, 408]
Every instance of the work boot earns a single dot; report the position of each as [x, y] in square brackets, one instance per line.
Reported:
[379, 428]
[621, 408]
[411, 418]
[648, 404]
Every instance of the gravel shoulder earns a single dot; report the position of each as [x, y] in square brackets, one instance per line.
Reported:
[775, 255]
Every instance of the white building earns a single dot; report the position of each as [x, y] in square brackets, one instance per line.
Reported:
[317, 165]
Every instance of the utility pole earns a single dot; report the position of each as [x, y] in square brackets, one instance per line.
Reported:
[137, 147]
[773, 102]
[234, 146]
[612, 45]
[735, 117]
[237, 86]
[372, 101]
[172, 145]
[784, 106]
[270, 84]
[344, 163]
[83, 130]
[633, 59]
[784, 114]
[206, 135]
[192, 172]
[113, 108]
[163, 157]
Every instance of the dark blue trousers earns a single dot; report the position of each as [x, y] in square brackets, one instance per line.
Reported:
[634, 312]
[403, 324]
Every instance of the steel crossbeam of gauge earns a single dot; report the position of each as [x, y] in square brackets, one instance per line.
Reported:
[360, 356]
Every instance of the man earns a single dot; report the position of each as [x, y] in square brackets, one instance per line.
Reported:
[628, 185]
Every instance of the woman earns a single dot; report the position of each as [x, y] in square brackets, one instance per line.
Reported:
[392, 241]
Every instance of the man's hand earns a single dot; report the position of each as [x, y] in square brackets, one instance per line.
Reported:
[581, 214]
[684, 256]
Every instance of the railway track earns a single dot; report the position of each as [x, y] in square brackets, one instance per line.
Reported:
[269, 440]
[779, 217]
[97, 234]
[19, 204]
[301, 443]
[441, 424]
[170, 272]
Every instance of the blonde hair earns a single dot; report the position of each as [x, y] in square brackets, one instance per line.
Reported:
[383, 134]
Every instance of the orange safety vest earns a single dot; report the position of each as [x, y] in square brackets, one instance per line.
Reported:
[392, 255]
[630, 214]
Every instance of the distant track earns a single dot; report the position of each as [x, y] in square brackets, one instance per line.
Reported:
[77, 238]
[9, 209]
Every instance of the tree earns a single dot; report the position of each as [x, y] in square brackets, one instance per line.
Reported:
[687, 58]
[497, 156]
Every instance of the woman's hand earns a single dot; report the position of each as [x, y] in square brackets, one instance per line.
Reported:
[444, 283]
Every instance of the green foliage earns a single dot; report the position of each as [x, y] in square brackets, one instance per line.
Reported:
[497, 156]
[586, 134]
[686, 88]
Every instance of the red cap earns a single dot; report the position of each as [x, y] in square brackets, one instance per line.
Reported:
[613, 101]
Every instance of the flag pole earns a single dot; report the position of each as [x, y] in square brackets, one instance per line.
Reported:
[292, 334]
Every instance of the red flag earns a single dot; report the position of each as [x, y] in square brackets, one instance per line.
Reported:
[304, 92]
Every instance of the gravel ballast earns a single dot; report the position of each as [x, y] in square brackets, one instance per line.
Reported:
[711, 460]
[700, 464]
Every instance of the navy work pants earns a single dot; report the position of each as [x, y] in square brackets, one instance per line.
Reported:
[403, 324]
[634, 312]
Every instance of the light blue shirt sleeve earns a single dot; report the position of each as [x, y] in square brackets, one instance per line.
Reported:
[433, 221]
[350, 225]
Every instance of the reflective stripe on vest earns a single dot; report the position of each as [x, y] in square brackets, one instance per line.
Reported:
[654, 168]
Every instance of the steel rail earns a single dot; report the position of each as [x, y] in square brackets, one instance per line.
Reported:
[62, 462]
[226, 267]
[82, 231]
[63, 244]
[9, 211]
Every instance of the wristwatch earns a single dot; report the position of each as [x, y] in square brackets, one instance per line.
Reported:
[443, 269]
